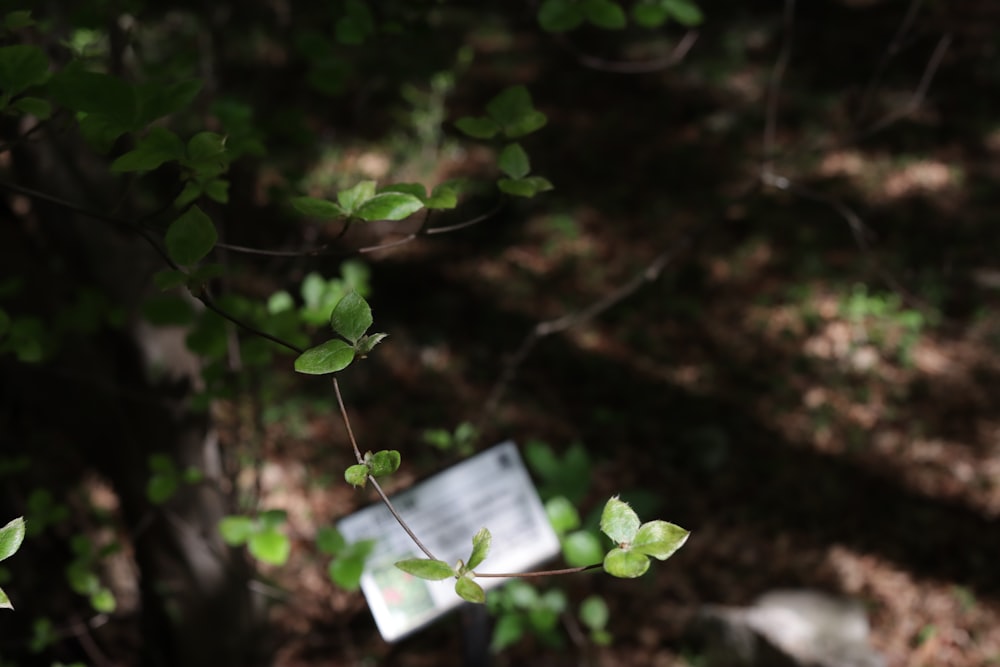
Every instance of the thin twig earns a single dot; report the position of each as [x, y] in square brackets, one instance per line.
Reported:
[774, 88]
[347, 421]
[206, 298]
[675, 56]
[399, 519]
[891, 50]
[539, 573]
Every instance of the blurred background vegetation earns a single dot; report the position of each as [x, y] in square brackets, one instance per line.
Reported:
[810, 384]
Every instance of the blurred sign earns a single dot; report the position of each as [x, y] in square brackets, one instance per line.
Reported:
[491, 490]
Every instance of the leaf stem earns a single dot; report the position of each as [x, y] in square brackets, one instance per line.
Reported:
[399, 519]
[538, 573]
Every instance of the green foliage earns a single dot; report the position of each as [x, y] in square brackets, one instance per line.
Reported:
[565, 15]
[567, 475]
[81, 573]
[521, 609]
[165, 478]
[190, 237]
[511, 113]
[379, 464]
[462, 440]
[350, 319]
[11, 537]
[362, 202]
[636, 541]
[594, 614]
[263, 535]
[463, 571]
[348, 560]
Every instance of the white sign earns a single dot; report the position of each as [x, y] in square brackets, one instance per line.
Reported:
[491, 490]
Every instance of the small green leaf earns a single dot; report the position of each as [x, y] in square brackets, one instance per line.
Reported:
[352, 317]
[317, 208]
[659, 539]
[159, 146]
[389, 206]
[531, 121]
[425, 568]
[236, 530]
[582, 548]
[649, 14]
[330, 541]
[190, 237]
[107, 99]
[356, 475]
[34, 106]
[346, 572]
[415, 189]
[161, 488]
[352, 198]
[469, 590]
[619, 521]
[481, 542]
[509, 630]
[217, 190]
[270, 546]
[103, 601]
[513, 161]
[385, 462]
[330, 357]
[562, 515]
[272, 518]
[684, 12]
[524, 187]
[21, 67]
[5, 601]
[366, 344]
[594, 613]
[11, 537]
[443, 196]
[510, 106]
[604, 14]
[625, 564]
[156, 100]
[478, 128]
[206, 147]
[559, 15]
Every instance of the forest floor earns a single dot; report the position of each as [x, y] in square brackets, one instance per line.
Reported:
[813, 395]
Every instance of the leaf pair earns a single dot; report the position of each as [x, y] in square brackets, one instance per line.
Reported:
[380, 463]
[351, 318]
[362, 202]
[513, 161]
[511, 113]
[436, 570]
[11, 537]
[348, 562]
[263, 536]
[636, 542]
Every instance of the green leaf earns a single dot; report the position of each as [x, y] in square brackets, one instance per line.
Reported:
[562, 515]
[659, 539]
[103, 601]
[530, 122]
[161, 488]
[346, 572]
[11, 537]
[385, 462]
[559, 15]
[425, 568]
[442, 197]
[272, 518]
[625, 564]
[217, 190]
[389, 206]
[513, 161]
[509, 630]
[619, 521]
[356, 475]
[481, 542]
[582, 548]
[159, 146]
[478, 128]
[156, 100]
[236, 530]
[330, 541]
[103, 95]
[352, 317]
[510, 106]
[415, 189]
[5, 601]
[649, 14]
[192, 190]
[594, 613]
[206, 147]
[317, 208]
[524, 187]
[21, 67]
[684, 12]
[604, 14]
[34, 106]
[330, 357]
[270, 546]
[352, 198]
[190, 237]
[469, 590]
[366, 344]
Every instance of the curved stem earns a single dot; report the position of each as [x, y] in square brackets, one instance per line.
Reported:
[538, 573]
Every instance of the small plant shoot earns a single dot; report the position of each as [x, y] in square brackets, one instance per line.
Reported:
[636, 542]
[350, 319]
[11, 537]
